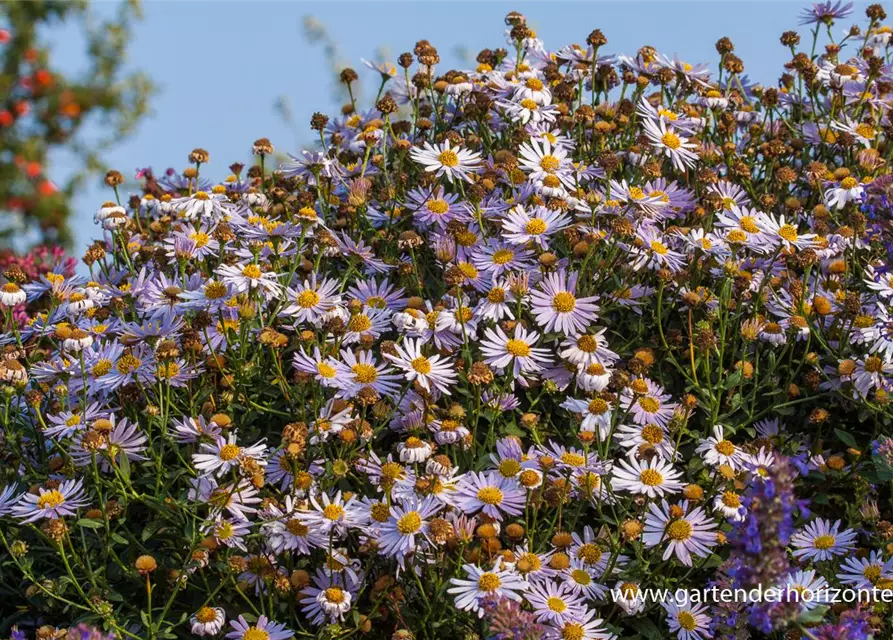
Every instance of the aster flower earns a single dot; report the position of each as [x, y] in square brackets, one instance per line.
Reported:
[443, 159]
[333, 513]
[62, 501]
[653, 478]
[312, 299]
[207, 621]
[264, 629]
[865, 573]
[398, 536]
[491, 493]
[553, 603]
[224, 454]
[540, 158]
[479, 585]
[670, 144]
[8, 497]
[557, 308]
[825, 12]
[429, 372]
[718, 451]
[519, 351]
[822, 540]
[688, 532]
[249, 277]
[521, 226]
[688, 620]
[326, 600]
[359, 371]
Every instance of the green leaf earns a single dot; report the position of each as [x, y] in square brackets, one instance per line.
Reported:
[647, 629]
[846, 438]
[89, 524]
[124, 465]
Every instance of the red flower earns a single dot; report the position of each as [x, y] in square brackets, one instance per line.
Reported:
[22, 108]
[33, 169]
[6, 119]
[47, 188]
[43, 78]
[5, 36]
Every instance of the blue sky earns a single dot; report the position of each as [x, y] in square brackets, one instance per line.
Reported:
[221, 66]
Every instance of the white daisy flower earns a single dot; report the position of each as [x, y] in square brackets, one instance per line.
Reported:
[453, 162]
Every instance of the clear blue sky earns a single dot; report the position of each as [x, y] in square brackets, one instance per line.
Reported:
[220, 66]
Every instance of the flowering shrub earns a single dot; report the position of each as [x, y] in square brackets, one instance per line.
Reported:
[43, 110]
[509, 348]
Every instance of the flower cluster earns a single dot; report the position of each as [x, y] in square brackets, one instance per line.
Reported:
[509, 349]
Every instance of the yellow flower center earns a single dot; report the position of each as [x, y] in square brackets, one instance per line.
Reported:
[438, 207]
[671, 140]
[865, 130]
[50, 500]
[659, 248]
[736, 236]
[307, 299]
[359, 323]
[101, 368]
[229, 452]
[215, 290]
[824, 542]
[335, 595]
[572, 459]
[589, 553]
[468, 270]
[297, 528]
[652, 434]
[549, 163]
[686, 620]
[874, 364]
[788, 232]
[529, 104]
[127, 363]
[251, 271]
[201, 195]
[490, 495]
[534, 83]
[448, 158]
[635, 193]
[503, 256]
[326, 370]
[333, 512]
[509, 468]
[489, 582]
[849, 182]
[517, 348]
[556, 604]
[572, 631]
[587, 343]
[724, 447]
[409, 523]
[200, 239]
[167, 370]
[581, 577]
[564, 302]
[731, 499]
[206, 615]
[597, 406]
[496, 295]
[872, 573]
[651, 478]
[679, 530]
[421, 365]
[380, 512]
[649, 404]
[535, 227]
[365, 373]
